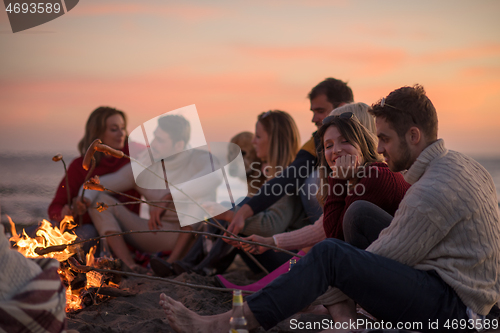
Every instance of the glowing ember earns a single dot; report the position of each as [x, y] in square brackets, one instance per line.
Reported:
[46, 236]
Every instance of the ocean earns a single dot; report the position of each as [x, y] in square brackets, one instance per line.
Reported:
[28, 183]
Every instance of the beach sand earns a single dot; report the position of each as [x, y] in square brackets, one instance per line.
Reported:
[142, 313]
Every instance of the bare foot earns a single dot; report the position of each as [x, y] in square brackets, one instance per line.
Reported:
[182, 319]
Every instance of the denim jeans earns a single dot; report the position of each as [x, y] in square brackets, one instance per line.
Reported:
[363, 222]
[387, 289]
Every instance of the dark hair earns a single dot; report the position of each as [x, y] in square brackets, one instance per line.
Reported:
[357, 135]
[177, 127]
[95, 128]
[406, 107]
[336, 91]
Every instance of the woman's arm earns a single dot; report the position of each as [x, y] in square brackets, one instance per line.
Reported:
[307, 236]
[59, 204]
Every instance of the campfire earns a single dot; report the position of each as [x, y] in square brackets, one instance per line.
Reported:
[46, 236]
[82, 289]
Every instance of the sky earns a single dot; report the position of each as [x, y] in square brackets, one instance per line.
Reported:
[236, 59]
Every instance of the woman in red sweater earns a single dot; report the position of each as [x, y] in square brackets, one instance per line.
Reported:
[109, 125]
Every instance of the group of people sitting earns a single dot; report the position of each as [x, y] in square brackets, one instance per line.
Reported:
[382, 215]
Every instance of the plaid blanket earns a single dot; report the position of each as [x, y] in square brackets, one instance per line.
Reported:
[39, 306]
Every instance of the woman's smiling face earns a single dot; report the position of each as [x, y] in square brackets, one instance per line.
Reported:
[336, 146]
[115, 133]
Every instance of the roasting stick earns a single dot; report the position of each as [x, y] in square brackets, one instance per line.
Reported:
[97, 145]
[57, 248]
[93, 185]
[85, 269]
[57, 158]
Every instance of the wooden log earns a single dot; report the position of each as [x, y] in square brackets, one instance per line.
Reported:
[45, 250]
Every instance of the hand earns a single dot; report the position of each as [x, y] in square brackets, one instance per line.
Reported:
[79, 206]
[65, 212]
[235, 227]
[238, 223]
[226, 216]
[257, 249]
[155, 213]
[346, 167]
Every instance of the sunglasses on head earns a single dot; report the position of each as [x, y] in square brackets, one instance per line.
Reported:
[383, 103]
[265, 114]
[346, 115]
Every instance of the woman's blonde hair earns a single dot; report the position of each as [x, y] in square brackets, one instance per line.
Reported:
[284, 139]
[355, 133]
[95, 128]
[360, 110]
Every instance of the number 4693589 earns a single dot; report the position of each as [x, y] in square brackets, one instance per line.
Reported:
[33, 8]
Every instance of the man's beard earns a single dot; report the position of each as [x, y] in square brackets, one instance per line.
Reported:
[403, 162]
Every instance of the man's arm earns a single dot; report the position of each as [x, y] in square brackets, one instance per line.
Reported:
[287, 182]
[289, 179]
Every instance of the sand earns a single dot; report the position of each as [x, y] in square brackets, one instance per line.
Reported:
[141, 312]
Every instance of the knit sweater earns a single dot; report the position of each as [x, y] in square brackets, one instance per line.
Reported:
[304, 237]
[448, 222]
[16, 270]
[380, 186]
[76, 177]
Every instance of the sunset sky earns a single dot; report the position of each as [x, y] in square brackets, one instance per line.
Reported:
[235, 59]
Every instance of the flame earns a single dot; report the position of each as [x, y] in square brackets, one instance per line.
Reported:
[73, 301]
[46, 236]
[94, 279]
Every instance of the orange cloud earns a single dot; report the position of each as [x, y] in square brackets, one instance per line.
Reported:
[56, 111]
[465, 53]
[481, 72]
[366, 60]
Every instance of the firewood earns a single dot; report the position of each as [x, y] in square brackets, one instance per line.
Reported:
[45, 250]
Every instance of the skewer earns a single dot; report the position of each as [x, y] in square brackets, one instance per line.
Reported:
[85, 269]
[57, 158]
[57, 248]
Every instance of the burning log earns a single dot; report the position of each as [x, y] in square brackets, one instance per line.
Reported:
[41, 251]
[77, 267]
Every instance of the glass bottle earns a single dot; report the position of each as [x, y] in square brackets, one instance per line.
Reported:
[238, 322]
[291, 263]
